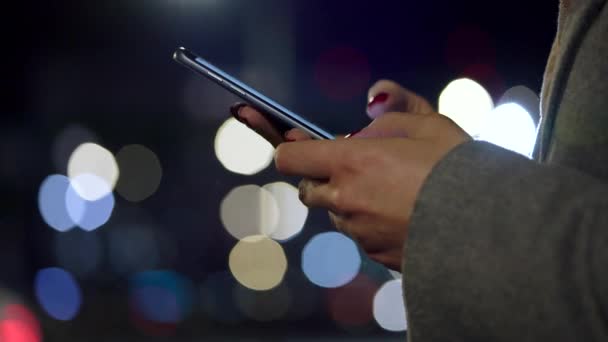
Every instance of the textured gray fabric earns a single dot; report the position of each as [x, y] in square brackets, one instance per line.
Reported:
[502, 248]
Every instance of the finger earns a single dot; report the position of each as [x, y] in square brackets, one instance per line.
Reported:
[257, 122]
[296, 135]
[388, 96]
[309, 159]
[320, 194]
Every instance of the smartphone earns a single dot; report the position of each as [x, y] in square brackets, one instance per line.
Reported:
[281, 115]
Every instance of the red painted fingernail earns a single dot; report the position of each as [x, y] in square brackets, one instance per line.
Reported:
[375, 106]
[378, 99]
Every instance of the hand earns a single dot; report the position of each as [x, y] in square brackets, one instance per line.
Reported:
[370, 182]
[383, 97]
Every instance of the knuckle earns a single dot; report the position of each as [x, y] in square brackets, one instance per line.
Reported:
[338, 201]
[303, 191]
[343, 200]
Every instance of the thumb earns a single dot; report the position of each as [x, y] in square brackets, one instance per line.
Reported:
[388, 96]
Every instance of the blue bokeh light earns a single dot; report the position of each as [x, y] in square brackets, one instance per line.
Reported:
[56, 210]
[62, 208]
[58, 293]
[161, 296]
[89, 215]
[331, 260]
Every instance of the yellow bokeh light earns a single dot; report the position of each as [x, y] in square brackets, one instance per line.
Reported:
[258, 263]
[466, 102]
[241, 150]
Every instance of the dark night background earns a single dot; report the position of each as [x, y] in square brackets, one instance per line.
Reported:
[107, 66]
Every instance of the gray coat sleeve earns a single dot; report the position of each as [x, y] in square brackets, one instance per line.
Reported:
[502, 248]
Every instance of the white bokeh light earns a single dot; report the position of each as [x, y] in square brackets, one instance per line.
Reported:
[510, 126]
[292, 213]
[466, 102]
[249, 210]
[389, 308]
[90, 166]
[241, 150]
[525, 97]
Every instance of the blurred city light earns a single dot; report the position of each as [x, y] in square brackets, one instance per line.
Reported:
[58, 293]
[343, 73]
[18, 324]
[467, 103]
[89, 215]
[67, 141]
[526, 98]
[249, 210]
[78, 252]
[389, 307]
[132, 248]
[53, 205]
[160, 296]
[292, 213]
[258, 263]
[263, 306]
[510, 126]
[100, 168]
[217, 298]
[350, 306]
[241, 150]
[331, 260]
[140, 172]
